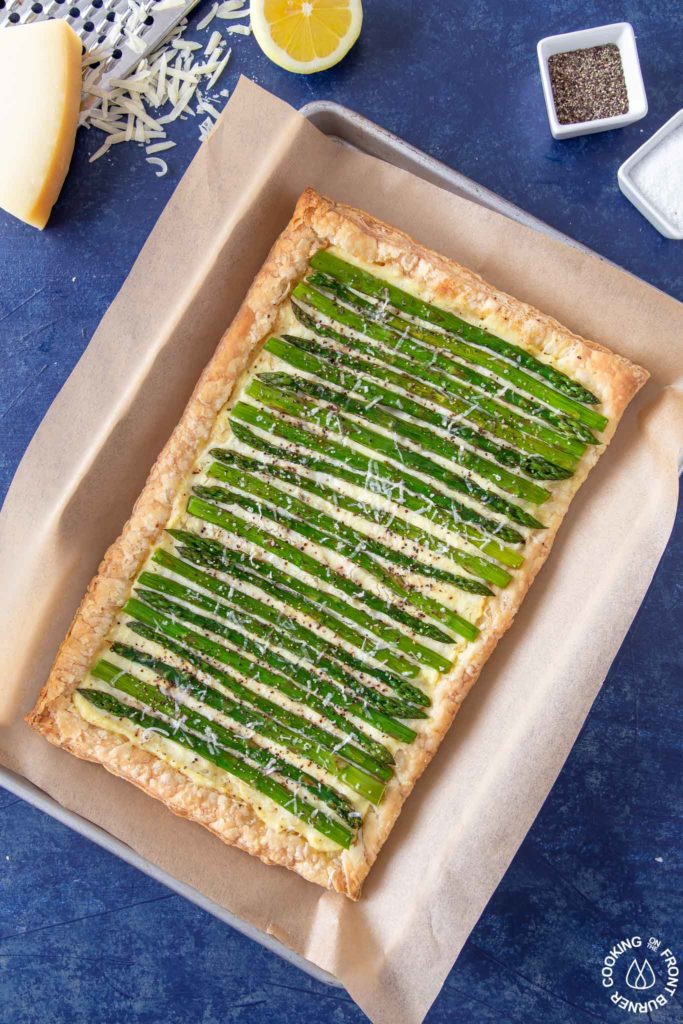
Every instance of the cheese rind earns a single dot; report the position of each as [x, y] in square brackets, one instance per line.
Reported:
[40, 93]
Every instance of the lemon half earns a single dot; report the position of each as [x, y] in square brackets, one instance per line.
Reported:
[306, 35]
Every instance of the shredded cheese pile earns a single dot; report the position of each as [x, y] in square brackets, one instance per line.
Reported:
[180, 79]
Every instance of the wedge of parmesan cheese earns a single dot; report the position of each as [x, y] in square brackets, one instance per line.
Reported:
[40, 92]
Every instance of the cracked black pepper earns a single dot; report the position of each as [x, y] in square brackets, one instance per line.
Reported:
[588, 84]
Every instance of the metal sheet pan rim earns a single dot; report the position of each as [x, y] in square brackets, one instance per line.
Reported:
[358, 131]
[37, 798]
[350, 127]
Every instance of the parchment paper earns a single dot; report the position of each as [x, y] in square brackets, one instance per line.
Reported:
[85, 466]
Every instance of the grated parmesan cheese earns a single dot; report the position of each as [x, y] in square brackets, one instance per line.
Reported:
[232, 14]
[156, 161]
[228, 7]
[159, 147]
[163, 86]
[205, 128]
[220, 69]
[215, 39]
[205, 107]
[185, 44]
[208, 19]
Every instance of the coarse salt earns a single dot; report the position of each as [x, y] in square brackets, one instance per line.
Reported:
[659, 177]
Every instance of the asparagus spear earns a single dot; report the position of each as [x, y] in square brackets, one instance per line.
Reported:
[288, 552]
[189, 655]
[564, 424]
[314, 687]
[173, 627]
[491, 416]
[332, 660]
[286, 632]
[434, 366]
[395, 331]
[370, 285]
[383, 478]
[377, 443]
[238, 474]
[211, 513]
[335, 541]
[229, 459]
[428, 440]
[372, 394]
[184, 718]
[213, 555]
[264, 784]
[305, 407]
[466, 332]
[270, 671]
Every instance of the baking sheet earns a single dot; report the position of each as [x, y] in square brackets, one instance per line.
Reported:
[354, 130]
[88, 461]
[37, 798]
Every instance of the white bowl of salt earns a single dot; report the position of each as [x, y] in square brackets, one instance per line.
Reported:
[652, 178]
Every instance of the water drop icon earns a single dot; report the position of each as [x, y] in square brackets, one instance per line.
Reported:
[640, 976]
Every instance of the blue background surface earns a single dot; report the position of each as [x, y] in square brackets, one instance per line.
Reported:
[85, 938]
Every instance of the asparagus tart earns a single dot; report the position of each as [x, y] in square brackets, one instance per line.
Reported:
[368, 476]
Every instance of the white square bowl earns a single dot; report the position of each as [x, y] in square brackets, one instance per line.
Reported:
[631, 190]
[622, 35]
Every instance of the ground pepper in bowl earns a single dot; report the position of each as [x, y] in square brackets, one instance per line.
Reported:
[588, 84]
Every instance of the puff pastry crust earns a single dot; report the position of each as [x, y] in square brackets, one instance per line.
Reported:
[317, 223]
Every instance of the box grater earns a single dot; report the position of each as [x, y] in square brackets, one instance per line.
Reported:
[129, 28]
